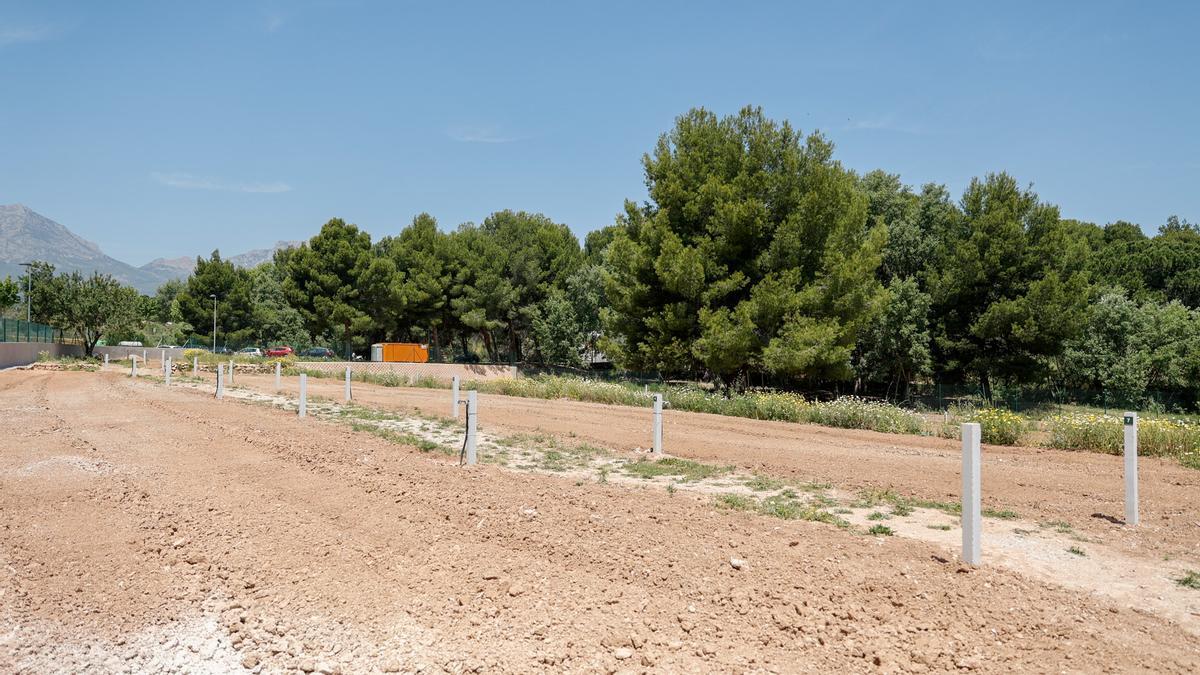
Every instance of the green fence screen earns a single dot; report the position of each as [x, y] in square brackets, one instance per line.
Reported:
[16, 330]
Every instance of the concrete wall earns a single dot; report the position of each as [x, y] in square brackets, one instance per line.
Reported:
[441, 371]
[25, 353]
[152, 353]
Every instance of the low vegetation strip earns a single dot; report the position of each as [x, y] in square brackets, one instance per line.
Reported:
[1161, 437]
[847, 412]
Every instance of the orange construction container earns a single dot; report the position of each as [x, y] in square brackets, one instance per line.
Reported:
[405, 352]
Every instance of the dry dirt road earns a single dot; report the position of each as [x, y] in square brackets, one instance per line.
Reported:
[146, 529]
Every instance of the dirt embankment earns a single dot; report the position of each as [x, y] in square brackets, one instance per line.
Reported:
[152, 529]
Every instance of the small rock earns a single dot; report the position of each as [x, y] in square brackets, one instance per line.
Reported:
[515, 589]
[391, 666]
[737, 563]
[249, 661]
[623, 653]
[307, 665]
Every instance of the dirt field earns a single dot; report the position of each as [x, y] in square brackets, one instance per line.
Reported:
[1083, 489]
[147, 529]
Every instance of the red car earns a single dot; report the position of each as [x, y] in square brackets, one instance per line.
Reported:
[279, 351]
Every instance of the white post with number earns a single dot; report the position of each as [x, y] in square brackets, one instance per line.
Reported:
[972, 520]
[230, 371]
[106, 359]
[220, 381]
[303, 394]
[195, 366]
[347, 384]
[133, 367]
[454, 397]
[278, 372]
[472, 420]
[1131, 469]
[167, 373]
[658, 405]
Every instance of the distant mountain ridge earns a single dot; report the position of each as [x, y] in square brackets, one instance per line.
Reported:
[26, 235]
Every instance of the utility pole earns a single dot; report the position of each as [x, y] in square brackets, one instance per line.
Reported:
[214, 299]
[28, 291]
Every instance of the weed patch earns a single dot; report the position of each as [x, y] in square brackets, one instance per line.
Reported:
[1190, 580]
[686, 469]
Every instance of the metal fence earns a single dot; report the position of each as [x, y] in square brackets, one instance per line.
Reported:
[17, 330]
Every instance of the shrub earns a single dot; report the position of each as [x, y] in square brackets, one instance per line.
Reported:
[998, 426]
[851, 412]
[1105, 433]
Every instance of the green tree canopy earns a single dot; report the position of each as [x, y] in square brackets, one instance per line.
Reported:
[754, 254]
[324, 281]
[1001, 306]
[94, 306]
[10, 294]
[234, 304]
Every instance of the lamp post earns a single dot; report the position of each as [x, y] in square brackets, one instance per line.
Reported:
[214, 299]
[28, 291]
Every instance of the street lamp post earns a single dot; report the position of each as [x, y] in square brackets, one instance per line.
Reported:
[214, 299]
[28, 291]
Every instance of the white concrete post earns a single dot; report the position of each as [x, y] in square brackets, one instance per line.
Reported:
[230, 371]
[144, 355]
[1131, 469]
[106, 359]
[133, 368]
[167, 373]
[472, 417]
[347, 384]
[220, 381]
[303, 394]
[162, 355]
[278, 372]
[658, 402]
[454, 397]
[195, 365]
[972, 521]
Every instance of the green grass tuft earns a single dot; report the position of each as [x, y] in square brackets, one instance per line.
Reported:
[686, 469]
[1190, 580]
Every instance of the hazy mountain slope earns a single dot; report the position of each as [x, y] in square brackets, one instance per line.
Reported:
[26, 235]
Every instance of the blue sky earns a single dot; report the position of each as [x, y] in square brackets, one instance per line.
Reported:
[172, 128]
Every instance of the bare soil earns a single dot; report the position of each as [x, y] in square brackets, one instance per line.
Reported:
[1085, 490]
[147, 529]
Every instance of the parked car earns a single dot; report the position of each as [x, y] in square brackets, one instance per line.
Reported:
[250, 351]
[318, 353]
[283, 350]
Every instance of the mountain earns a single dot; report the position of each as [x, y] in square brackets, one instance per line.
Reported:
[261, 255]
[170, 268]
[26, 235]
